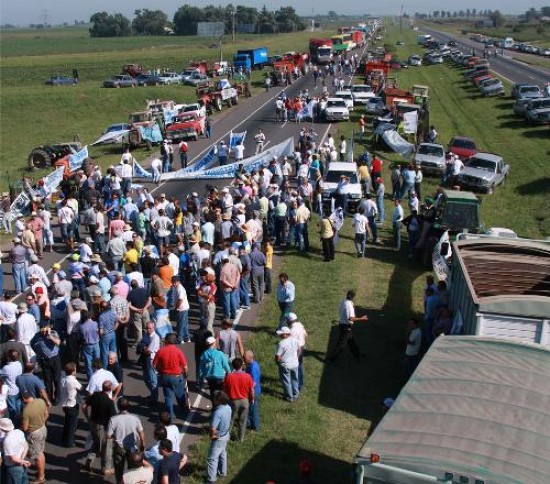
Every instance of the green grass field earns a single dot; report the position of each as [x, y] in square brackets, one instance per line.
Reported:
[331, 419]
[33, 114]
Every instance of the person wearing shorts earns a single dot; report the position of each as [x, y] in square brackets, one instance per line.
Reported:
[33, 423]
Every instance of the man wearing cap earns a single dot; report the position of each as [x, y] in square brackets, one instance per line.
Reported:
[171, 366]
[76, 272]
[36, 268]
[229, 281]
[213, 367]
[18, 259]
[36, 224]
[286, 357]
[14, 453]
[45, 344]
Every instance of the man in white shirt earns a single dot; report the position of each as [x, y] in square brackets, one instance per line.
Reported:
[126, 173]
[370, 210]
[360, 224]
[14, 452]
[181, 305]
[412, 351]
[156, 167]
[149, 345]
[162, 226]
[101, 375]
[286, 358]
[260, 141]
[239, 151]
[223, 153]
[397, 221]
[299, 333]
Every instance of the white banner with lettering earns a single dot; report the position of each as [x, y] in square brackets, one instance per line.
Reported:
[76, 159]
[410, 122]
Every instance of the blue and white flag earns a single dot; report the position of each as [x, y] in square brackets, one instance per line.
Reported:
[203, 163]
[236, 138]
[169, 115]
[151, 133]
[307, 111]
[19, 205]
[52, 181]
[76, 159]
[140, 172]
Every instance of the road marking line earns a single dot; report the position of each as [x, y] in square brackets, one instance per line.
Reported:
[284, 124]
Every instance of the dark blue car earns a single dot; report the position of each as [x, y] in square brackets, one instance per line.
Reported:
[61, 81]
[148, 80]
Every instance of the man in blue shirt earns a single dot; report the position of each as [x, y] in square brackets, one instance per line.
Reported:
[220, 425]
[213, 367]
[107, 337]
[253, 369]
[90, 341]
[286, 292]
[29, 383]
[45, 344]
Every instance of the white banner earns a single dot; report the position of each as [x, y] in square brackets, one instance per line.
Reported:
[228, 171]
[410, 122]
[140, 172]
[76, 160]
[111, 137]
[398, 144]
[52, 181]
[19, 205]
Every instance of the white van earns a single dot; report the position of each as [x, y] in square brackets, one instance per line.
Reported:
[508, 43]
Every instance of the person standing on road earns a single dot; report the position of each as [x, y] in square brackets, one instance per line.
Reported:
[68, 401]
[171, 366]
[183, 148]
[260, 141]
[208, 127]
[239, 387]
[107, 322]
[148, 348]
[223, 153]
[346, 321]
[126, 430]
[287, 358]
[220, 426]
[14, 453]
[229, 281]
[258, 264]
[33, 423]
[229, 341]
[181, 305]
[18, 260]
[45, 344]
[213, 367]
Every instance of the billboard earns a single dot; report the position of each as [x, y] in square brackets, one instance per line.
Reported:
[210, 29]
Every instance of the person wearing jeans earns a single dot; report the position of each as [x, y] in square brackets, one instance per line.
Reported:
[220, 426]
[181, 305]
[69, 389]
[229, 280]
[18, 258]
[148, 347]
[171, 366]
[285, 297]
[360, 224]
[90, 342]
[397, 222]
[253, 369]
[286, 357]
[244, 285]
[107, 336]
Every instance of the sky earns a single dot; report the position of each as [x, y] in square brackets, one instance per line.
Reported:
[25, 12]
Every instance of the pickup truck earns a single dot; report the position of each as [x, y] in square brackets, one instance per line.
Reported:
[538, 111]
[484, 172]
[185, 126]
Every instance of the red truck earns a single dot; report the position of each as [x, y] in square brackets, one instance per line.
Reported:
[320, 50]
[375, 65]
[358, 38]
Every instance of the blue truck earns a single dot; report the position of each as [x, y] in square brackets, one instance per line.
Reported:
[250, 59]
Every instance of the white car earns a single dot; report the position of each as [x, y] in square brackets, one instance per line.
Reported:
[170, 78]
[116, 128]
[336, 170]
[346, 96]
[361, 93]
[336, 109]
[194, 108]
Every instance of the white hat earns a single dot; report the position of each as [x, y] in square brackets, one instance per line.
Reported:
[6, 425]
[210, 340]
[284, 330]
[292, 317]
[225, 190]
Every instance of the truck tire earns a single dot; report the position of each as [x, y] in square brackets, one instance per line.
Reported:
[235, 100]
[39, 158]
[218, 104]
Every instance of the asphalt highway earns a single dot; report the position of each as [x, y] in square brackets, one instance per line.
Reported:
[507, 67]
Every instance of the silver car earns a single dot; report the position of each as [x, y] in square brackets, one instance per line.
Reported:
[483, 172]
[431, 158]
[538, 110]
[492, 87]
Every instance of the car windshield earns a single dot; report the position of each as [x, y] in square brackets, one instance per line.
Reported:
[116, 127]
[542, 103]
[430, 150]
[460, 216]
[528, 89]
[333, 176]
[463, 143]
[185, 119]
[362, 89]
[191, 107]
[481, 164]
[336, 104]
[346, 96]
[491, 82]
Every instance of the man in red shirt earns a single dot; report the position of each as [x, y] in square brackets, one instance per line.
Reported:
[239, 386]
[376, 170]
[171, 365]
[183, 147]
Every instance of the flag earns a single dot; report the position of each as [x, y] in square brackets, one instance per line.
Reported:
[203, 163]
[140, 172]
[235, 138]
[76, 159]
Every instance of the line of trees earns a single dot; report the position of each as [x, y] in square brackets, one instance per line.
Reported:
[494, 15]
[155, 22]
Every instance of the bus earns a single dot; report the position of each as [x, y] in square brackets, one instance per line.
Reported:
[342, 42]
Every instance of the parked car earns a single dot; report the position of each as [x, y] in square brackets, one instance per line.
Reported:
[346, 96]
[336, 109]
[520, 107]
[431, 157]
[61, 81]
[148, 80]
[197, 78]
[415, 60]
[170, 78]
[187, 73]
[114, 128]
[194, 108]
[120, 81]
[492, 87]
[538, 111]
[526, 91]
[545, 52]
[361, 93]
[434, 59]
[462, 146]
[484, 172]
[335, 171]
[186, 126]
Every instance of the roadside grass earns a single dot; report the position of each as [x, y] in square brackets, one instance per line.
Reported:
[33, 114]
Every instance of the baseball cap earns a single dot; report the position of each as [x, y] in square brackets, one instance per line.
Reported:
[284, 330]
[210, 340]
[56, 265]
[17, 240]
[292, 317]
[62, 274]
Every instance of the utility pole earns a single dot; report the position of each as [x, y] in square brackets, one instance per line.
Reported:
[233, 13]
[401, 20]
